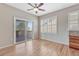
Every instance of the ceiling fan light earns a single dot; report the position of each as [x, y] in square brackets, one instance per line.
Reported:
[35, 9]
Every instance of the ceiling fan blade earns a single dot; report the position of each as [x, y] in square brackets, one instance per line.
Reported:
[41, 9]
[29, 9]
[31, 5]
[35, 5]
[40, 5]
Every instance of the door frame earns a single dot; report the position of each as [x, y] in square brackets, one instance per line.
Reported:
[26, 20]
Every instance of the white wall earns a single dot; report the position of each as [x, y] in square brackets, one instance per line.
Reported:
[62, 35]
[6, 23]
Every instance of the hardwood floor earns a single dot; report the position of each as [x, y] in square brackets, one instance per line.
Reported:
[39, 48]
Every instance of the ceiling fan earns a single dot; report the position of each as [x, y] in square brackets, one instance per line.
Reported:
[36, 7]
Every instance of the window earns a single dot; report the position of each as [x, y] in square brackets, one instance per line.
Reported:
[49, 25]
[54, 24]
[44, 26]
[73, 21]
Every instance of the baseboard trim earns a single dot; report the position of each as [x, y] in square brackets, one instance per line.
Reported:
[6, 46]
[56, 42]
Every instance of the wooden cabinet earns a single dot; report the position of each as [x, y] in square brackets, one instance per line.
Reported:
[74, 41]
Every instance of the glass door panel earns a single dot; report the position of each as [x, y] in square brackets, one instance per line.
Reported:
[20, 30]
[29, 30]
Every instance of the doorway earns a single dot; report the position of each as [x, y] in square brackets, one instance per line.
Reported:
[23, 30]
[20, 31]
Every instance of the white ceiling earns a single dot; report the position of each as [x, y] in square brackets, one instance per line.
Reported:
[49, 7]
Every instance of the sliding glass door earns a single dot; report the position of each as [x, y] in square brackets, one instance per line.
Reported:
[23, 30]
[20, 31]
[29, 30]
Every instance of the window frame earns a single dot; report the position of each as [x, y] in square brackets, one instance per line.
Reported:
[75, 21]
[50, 25]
